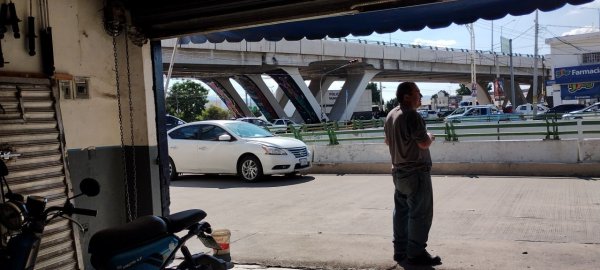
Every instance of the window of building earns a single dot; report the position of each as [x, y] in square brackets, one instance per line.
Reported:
[589, 58]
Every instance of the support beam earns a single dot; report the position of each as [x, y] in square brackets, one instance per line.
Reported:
[264, 89]
[261, 95]
[224, 89]
[351, 92]
[294, 87]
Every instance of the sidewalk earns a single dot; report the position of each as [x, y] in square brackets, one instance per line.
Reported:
[344, 221]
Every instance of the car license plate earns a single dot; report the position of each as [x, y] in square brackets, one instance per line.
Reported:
[303, 162]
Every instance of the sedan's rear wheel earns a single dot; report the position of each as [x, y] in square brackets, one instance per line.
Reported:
[173, 174]
[250, 169]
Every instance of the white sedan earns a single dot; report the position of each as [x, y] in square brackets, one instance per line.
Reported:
[234, 147]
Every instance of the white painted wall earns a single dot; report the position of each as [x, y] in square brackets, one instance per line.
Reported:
[530, 151]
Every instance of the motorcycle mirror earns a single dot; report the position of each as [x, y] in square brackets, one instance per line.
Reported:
[89, 187]
[3, 169]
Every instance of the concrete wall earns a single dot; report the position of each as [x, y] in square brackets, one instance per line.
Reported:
[533, 157]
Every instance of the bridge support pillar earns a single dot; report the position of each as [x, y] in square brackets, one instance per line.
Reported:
[257, 79]
[293, 86]
[224, 89]
[520, 98]
[352, 91]
[321, 90]
[261, 95]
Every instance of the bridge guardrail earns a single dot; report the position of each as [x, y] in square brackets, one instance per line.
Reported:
[333, 133]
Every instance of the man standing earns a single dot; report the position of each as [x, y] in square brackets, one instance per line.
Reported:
[409, 141]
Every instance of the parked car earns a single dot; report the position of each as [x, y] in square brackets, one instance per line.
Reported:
[480, 113]
[590, 111]
[172, 121]
[281, 125]
[527, 109]
[255, 120]
[234, 147]
[557, 112]
[428, 114]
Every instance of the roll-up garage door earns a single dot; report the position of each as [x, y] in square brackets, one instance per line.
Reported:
[30, 127]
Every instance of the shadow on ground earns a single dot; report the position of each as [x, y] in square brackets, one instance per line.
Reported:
[232, 181]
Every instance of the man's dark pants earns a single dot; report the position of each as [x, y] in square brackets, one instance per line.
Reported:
[413, 212]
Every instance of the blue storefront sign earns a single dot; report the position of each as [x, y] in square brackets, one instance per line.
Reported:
[578, 81]
[580, 90]
[577, 74]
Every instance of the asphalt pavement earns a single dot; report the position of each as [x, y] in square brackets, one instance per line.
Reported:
[345, 221]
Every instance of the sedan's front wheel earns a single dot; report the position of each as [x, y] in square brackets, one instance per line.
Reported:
[249, 169]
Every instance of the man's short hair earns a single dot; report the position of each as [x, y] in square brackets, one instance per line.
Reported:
[404, 89]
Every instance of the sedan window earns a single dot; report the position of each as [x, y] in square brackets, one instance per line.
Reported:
[185, 133]
[246, 130]
[211, 133]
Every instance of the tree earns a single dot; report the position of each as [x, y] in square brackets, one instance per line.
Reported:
[389, 105]
[463, 90]
[375, 94]
[435, 96]
[445, 92]
[214, 112]
[186, 100]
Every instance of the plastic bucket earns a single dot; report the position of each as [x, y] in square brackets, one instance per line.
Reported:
[222, 237]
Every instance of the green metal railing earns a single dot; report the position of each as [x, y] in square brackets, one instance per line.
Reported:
[371, 130]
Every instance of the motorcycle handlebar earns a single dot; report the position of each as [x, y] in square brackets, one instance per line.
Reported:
[73, 210]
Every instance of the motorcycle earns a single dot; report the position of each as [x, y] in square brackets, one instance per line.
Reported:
[24, 221]
[147, 243]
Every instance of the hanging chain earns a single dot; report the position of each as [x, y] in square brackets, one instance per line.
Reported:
[134, 169]
[123, 153]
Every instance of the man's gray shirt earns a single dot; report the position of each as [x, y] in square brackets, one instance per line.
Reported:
[403, 130]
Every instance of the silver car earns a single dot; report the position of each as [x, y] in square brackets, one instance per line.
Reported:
[587, 112]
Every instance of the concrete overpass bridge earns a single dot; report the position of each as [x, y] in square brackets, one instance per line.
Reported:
[290, 63]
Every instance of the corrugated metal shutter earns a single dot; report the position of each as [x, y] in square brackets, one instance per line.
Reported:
[29, 124]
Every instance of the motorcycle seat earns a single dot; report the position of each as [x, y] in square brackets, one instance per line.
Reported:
[108, 242]
[184, 219]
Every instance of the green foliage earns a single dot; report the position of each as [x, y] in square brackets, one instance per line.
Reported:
[463, 90]
[214, 113]
[389, 105]
[445, 92]
[375, 94]
[186, 100]
[255, 111]
[434, 96]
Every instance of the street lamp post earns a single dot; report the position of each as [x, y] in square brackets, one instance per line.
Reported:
[321, 84]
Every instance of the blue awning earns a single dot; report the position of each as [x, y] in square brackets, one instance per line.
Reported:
[414, 18]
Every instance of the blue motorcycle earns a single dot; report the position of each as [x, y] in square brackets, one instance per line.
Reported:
[146, 243]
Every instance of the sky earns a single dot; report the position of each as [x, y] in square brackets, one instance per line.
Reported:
[567, 20]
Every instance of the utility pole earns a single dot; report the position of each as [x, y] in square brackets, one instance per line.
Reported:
[535, 67]
[512, 78]
[473, 65]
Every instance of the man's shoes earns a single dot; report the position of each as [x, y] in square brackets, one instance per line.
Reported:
[399, 257]
[425, 259]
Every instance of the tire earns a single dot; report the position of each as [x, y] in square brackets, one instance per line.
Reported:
[173, 174]
[249, 168]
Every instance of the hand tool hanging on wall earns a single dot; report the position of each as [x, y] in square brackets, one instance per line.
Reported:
[3, 19]
[3, 29]
[13, 19]
[46, 47]
[31, 30]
